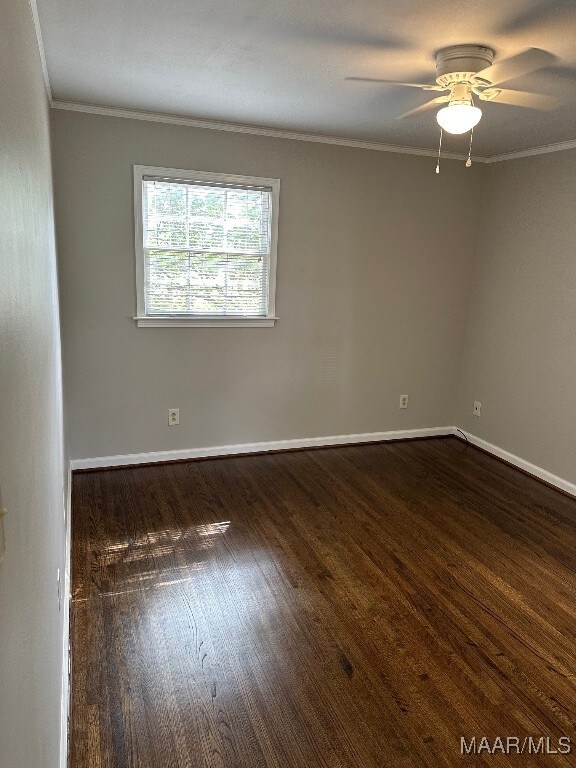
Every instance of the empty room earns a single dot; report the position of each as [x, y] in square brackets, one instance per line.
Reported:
[287, 384]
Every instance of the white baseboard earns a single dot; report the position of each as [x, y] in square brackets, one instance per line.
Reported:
[66, 597]
[517, 461]
[122, 460]
[101, 462]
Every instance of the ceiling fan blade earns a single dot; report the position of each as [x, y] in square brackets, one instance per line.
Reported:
[324, 32]
[520, 99]
[425, 107]
[537, 17]
[516, 66]
[424, 86]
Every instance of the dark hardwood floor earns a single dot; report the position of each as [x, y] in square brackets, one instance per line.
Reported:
[356, 607]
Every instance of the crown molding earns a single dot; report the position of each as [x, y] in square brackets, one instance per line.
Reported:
[159, 117]
[542, 150]
[36, 20]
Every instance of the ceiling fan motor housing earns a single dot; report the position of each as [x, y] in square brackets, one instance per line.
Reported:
[460, 63]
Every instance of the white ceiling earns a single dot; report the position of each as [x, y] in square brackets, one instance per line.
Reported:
[284, 63]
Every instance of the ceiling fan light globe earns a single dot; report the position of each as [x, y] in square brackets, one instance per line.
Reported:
[458, 118]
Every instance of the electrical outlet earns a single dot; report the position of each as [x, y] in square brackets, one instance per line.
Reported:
[477, 408]
[173, 417]
[403, 401]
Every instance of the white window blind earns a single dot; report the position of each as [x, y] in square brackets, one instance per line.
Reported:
[206, 247]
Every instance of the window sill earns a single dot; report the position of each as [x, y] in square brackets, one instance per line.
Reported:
[159, 321]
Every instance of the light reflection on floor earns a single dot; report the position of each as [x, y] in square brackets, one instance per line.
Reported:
[117, 562]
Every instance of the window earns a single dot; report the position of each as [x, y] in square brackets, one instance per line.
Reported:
[205, 248]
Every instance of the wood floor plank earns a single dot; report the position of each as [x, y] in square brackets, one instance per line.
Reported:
[357, 607]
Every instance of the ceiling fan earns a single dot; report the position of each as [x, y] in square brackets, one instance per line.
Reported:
[468, 72]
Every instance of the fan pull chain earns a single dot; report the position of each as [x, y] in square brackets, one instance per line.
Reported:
[439, 151]
[469, 161]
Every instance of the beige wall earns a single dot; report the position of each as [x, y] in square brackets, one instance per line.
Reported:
[31, 462]
[373, 281]
[520, 351]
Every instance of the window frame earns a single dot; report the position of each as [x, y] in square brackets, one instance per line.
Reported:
[183, 320]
